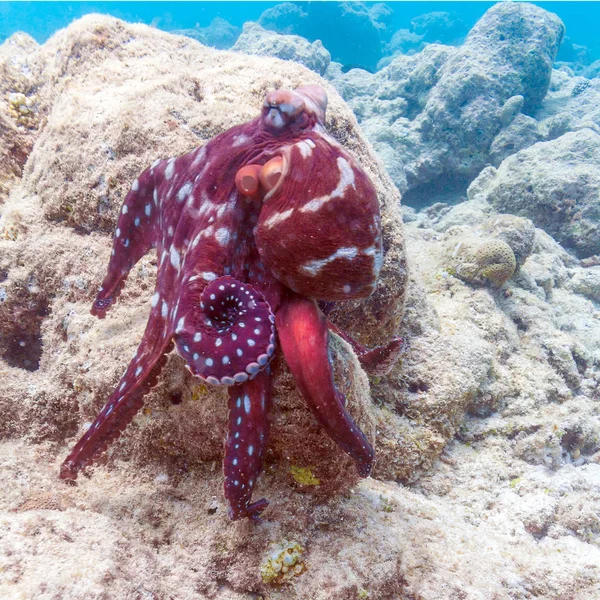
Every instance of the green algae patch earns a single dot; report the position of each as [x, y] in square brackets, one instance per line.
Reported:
[304, 475]
[283, 563]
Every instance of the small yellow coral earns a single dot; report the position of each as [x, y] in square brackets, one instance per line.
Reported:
[199, 391]
[304, 475]
[22, 109]
[283, 563]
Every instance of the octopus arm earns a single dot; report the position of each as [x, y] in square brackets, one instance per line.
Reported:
[134, 235]
[126, 400]
[226, 332]
[248, 429]
[375, 361]
[304, 339]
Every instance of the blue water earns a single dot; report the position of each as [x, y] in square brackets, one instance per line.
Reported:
[42, 19]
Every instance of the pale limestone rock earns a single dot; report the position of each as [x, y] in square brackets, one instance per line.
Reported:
[261, 42]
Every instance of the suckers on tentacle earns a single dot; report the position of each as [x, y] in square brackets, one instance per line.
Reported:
[226, 333]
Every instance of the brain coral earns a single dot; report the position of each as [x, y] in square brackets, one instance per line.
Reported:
[492, 262]
[496, 261]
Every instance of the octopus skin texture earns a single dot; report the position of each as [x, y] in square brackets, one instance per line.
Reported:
[251, 231]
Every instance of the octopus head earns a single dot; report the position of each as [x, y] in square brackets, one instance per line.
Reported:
[294, 111]
[319, 229]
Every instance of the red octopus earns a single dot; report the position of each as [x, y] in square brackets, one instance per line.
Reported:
[250, 231]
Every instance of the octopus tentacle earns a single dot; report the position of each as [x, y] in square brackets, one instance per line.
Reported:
[375, 361]
[134, 235]
[124, 402]
[304, 338]
[249, 404]
[227, 333]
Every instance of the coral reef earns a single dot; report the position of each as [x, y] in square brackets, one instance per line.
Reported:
[509, 52]
[218, 34]
[439, 27]
[572, 104]
[517, 232]
[487, 433]
[523, 131]
[19, 107]
[256, 40]
[438, 113]
[333, 23]
[385, 103]
[592, 71]
[286, 18]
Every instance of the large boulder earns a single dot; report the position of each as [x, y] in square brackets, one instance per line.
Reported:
[441, 115]
[556, 184]
[509, 52]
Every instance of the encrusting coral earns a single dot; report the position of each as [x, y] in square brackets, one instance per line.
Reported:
[284, 562]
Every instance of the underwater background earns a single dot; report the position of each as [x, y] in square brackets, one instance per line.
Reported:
[313, 20]
[478, 126]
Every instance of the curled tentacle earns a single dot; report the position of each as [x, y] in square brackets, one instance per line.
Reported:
[228, 333]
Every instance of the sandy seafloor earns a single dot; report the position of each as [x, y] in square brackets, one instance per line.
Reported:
[487, 481]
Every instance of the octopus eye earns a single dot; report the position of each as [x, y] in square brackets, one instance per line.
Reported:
[283, 108]
[271, 173]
